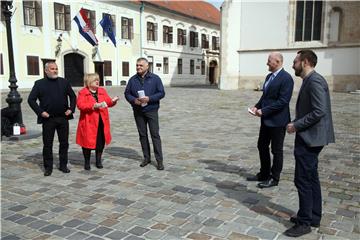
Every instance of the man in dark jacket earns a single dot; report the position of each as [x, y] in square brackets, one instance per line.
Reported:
[314, 129]
[273, 108]
[144, 91]
[53, 112]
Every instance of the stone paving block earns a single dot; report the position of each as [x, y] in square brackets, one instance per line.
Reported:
[261, 233]
[14, 217]
[18, 208]
[39, 212]
[73, 223]
[25, 220]
[212, 222]
[11, 237]
[94, 238]
[239, 236]
[78, 236]
[181, 215]
[138, 231]
[50, 228]
[198, 236]
[64, 232]
[219, 232]
[115, 235]
[132, 237]
[101, 231]
[87, 227]
[154, 234]
[38, 224]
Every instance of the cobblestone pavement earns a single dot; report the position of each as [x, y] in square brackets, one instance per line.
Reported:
[209, 144]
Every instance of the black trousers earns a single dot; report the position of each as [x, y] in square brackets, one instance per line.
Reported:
[151, 119]
[61, 125]
[307, 182]
[275, 136]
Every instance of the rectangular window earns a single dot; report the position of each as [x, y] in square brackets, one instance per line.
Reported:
[1, 64]
[62, 17]
[151, 31]
[151, 63]
[179, 66]
[202, 67]
[32, 65]
[127, 28]
[107, 68]
[166, 65]
[204, 41]
[32, 13]
[192, 67]
[92, 18]
[215, 43]
[113, 23]
[308, 20]
[181, 39]
[167, 34]
[125, 68]
[194, 41]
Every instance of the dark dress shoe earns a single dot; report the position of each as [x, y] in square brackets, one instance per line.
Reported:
[64, 170]
[87, 167]
[99, 165]
[268, 184]
[144, 163]
[294, 220]
[160, 166]
[47, 172]
[297, 230]
[256, 178]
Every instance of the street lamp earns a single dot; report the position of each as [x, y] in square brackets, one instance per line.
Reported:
[13, 98]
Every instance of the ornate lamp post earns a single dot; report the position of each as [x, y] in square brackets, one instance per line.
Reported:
[13, 98]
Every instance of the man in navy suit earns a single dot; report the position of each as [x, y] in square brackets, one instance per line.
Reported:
[314, 129]
[273, 109]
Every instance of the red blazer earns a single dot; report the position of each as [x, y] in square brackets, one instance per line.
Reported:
[89, 118]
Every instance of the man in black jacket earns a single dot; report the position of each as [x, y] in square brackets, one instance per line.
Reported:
[53, 113]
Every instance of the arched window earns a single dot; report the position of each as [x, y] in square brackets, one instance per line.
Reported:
[334, 32]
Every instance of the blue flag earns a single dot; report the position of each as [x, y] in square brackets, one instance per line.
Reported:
[108, 28]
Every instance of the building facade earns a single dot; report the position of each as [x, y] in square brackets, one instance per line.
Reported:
[250, 30]
[44, 31]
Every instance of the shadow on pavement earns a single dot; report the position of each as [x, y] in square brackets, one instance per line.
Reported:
[255, 201]
[123, 152]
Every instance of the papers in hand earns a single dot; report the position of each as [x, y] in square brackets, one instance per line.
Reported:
[141, 94]
[251, 112]
[103, 104]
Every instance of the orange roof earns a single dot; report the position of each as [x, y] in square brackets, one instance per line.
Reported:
[196, 9]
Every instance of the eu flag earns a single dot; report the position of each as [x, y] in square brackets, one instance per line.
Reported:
[108, 28]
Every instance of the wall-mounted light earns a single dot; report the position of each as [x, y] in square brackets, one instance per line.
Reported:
[58, 45]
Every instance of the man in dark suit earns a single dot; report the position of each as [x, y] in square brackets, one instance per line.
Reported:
[314, 129]
[273, 108]
[53, 112]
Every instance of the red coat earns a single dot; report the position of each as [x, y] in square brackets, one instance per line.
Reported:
[89, 118]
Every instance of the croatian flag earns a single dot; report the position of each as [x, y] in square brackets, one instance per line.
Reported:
[85, 27]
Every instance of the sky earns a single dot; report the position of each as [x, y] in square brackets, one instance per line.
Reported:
[216, 3]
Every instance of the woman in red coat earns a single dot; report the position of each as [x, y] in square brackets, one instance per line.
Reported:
[93, 130]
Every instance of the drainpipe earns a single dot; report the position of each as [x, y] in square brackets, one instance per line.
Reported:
[141, 12]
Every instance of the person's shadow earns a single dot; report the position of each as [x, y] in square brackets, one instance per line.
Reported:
[77, 158]
[255, 201]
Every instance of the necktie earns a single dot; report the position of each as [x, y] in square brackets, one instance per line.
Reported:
[268, 81]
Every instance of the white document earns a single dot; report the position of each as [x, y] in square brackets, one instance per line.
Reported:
[141, 94]
[251, 112]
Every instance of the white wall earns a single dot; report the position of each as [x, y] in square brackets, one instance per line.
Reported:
[264, 24]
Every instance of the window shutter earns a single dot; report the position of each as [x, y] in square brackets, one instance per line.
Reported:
[113, 21]
[67, 18]
[131, 30]
[93, 20]
[156, 31]
[38, 13]
[171, 35]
